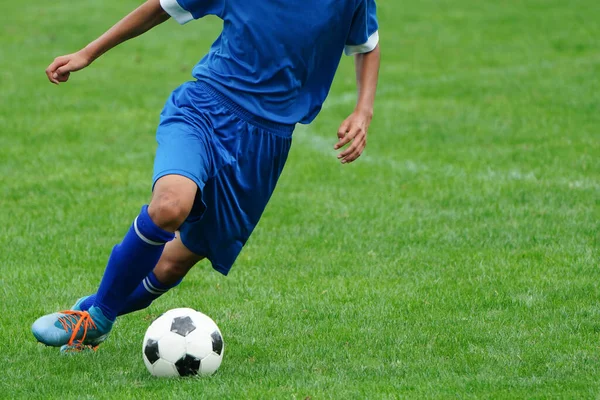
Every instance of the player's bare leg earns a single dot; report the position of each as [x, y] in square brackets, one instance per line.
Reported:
[175, 262]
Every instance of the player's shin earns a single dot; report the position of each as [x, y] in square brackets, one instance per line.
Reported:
[130, 262]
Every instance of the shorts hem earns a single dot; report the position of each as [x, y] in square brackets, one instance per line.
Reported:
[180, 172]
[203, 253]
[220, 268]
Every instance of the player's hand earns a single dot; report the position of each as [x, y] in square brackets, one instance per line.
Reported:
[353, 130]
[61, 67]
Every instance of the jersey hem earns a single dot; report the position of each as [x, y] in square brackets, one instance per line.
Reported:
[276, 128]
[178, 13]
[366, 47]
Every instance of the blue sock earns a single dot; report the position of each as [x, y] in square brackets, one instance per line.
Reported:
[130, 262]
[144, 294]
[149, 290]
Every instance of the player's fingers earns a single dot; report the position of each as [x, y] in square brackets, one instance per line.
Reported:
[356, 154]
[51, 70]
[57, 63]
[351, 134]
[50, 78]
[62, 70]
[67, 68]
[356, 144]
[63, 77]
[361, 143]
[50, 75]
[343, 128]
[341, 133]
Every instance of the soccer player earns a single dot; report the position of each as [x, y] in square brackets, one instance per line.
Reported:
[223, 140]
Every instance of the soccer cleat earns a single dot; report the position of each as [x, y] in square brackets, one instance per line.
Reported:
[78, 346]
[68, 327]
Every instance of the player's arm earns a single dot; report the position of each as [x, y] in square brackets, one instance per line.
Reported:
[142, 19]
[354, 128]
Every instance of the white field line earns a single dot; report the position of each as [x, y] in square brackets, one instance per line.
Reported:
[305, 135]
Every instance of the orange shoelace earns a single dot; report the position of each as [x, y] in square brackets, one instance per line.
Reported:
[75, 320]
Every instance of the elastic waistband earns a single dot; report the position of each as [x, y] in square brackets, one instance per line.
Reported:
[277, 128]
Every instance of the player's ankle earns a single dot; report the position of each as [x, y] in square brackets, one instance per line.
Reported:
[101, 318]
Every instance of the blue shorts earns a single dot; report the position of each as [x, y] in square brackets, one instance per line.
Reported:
[234, 157]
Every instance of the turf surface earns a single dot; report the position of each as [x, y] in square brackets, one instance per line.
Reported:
[457, 258]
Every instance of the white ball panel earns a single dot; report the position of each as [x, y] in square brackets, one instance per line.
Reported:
[180, 312]
[158, 328]
[210, 364]
[204, 321]
[199, 344]
[163, 368]
[171, 347]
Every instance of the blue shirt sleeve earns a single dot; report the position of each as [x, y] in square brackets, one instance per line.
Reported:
[185, 10]
[364, 35]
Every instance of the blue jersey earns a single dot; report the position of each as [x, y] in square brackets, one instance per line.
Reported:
[277, 58]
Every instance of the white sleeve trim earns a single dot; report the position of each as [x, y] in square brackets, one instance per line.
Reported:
[361, 48]
[173, 8]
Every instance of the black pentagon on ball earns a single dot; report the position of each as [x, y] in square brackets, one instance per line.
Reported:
[151, 351]
[182, 326]
[217, 342]
[188, 365]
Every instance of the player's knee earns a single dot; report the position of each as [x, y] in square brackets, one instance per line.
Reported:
[168, 211]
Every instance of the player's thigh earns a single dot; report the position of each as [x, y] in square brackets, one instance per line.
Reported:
[185, 158]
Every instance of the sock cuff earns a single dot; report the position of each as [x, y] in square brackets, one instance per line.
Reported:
[148, 231]
[152, 282]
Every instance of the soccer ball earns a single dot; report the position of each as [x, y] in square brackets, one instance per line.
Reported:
[183, 342]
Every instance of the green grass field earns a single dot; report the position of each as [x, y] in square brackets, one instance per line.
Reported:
[458, 258]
